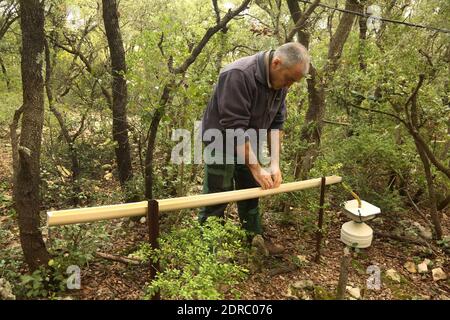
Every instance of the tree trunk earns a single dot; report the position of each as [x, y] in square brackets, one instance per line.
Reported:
[362, 40]
[26, 179]
[165, 99]
[312, 127]
[431, 192]
[316, 99]
[119, 91]
[166, 95]
[339, 38]
[5, 74]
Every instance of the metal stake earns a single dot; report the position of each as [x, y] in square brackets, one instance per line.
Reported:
[319, 232]
[153, 234]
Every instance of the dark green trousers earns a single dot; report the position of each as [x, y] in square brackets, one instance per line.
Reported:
[227, 177]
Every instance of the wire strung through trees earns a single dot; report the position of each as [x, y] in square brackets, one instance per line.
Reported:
[379, 18]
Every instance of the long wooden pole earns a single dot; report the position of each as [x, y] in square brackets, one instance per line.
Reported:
[83, 215]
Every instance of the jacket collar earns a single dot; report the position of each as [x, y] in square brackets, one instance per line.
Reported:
[261, 68]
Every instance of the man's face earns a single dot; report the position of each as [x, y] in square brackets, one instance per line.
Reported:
[284, 77]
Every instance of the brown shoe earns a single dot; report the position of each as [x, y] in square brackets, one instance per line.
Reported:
[266, 247]
[273, 248]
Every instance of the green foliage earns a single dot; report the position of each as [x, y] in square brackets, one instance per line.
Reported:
[73, 245]
[197, 260]
[300, 263]
[366, 161]
[76, 244]
[44, 282]
[367, 149]
[10, 264]
[445, 244]
[8, 104]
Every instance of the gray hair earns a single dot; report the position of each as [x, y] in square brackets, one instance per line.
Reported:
[292, 53]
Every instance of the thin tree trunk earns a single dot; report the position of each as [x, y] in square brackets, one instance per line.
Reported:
[343, 29]
[412, 126]
[157, 116]
[26, 185]
[431, 192]
[119, 91]
[75, 163]
[312, 127]
[5, 74]
[315, 96]
[362, 40]
[221, 24]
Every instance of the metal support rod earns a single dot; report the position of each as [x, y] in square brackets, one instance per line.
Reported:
[153, 235]
[319, 232]
[343, 275]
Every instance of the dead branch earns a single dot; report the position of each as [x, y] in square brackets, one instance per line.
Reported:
[419, 212]
[379, 111]
[336, 123]
[111, 257]
[396, 237]
[283, 270]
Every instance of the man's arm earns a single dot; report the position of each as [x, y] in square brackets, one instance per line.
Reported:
[262, 176]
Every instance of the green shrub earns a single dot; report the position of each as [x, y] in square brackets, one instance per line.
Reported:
[45, 282]
[76, 244]
[197, 261]
[72, 245]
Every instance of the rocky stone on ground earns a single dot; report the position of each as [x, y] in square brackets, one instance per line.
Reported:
[6, 290]
[438, 274]
[423, 232]
[411, 267]
[354, 292]
[422, 267]
[393, 275]
[303, 284]
[302, 289]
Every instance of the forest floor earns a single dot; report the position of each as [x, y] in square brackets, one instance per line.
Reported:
[275, 277]
[280, 278]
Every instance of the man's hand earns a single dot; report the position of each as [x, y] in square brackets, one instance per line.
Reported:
[276, 175]
[261, 176]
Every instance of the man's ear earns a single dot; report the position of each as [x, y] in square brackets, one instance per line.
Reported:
[276, 63]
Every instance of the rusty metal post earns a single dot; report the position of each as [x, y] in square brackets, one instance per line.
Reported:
[153, 234]
[319, 232]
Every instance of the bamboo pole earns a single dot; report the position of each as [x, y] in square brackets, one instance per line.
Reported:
[83, 215]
